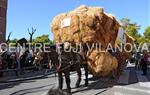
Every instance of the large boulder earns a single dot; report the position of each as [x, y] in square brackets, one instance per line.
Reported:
[102, 63]
[88, 25]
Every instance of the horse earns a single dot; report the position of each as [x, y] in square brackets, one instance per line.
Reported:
[40, 59]
[65, 62]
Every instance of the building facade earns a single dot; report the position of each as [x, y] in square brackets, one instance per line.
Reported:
[3, 19]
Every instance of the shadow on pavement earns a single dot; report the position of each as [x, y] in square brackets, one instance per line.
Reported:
[99, 83]
[25, 79]
[12, 84]
[106, 83]
[31, 90]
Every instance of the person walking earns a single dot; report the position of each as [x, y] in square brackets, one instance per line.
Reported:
[137, 60]
[144, 63]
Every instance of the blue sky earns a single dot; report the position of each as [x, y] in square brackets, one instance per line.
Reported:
[24, 14]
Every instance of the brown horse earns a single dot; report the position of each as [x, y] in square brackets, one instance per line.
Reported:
[65, 62]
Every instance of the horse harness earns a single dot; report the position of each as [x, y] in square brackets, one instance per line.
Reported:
[67, 60]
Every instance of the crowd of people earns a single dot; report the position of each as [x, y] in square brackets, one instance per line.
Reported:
[23, 58]
[142, 60]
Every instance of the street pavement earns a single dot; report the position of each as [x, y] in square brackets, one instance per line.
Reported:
[131, 82]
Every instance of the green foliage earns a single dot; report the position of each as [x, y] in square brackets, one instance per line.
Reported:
[141, 40]
[53, 42]
[147, 33]
[131, 29]
[42, 39]
[146, 37]
[13, 41]
[38, 39]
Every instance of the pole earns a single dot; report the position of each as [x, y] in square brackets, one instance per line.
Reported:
[18, 60]
[59, 51]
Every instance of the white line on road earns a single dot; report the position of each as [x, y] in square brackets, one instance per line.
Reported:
[124, 78]
[143, 81]
[132, 89]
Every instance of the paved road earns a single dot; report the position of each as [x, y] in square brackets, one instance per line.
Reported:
[131, 82]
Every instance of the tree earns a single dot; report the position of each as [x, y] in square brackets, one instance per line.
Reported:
[31, 33]
[131, 29]
[8, 38]
[42, 39]
[13, 41]
[142, 40]
[147, 33]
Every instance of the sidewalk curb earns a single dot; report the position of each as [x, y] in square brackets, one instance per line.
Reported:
[27, 78]
[22, 79]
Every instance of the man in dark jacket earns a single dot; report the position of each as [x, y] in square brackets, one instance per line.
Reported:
[144, 64]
